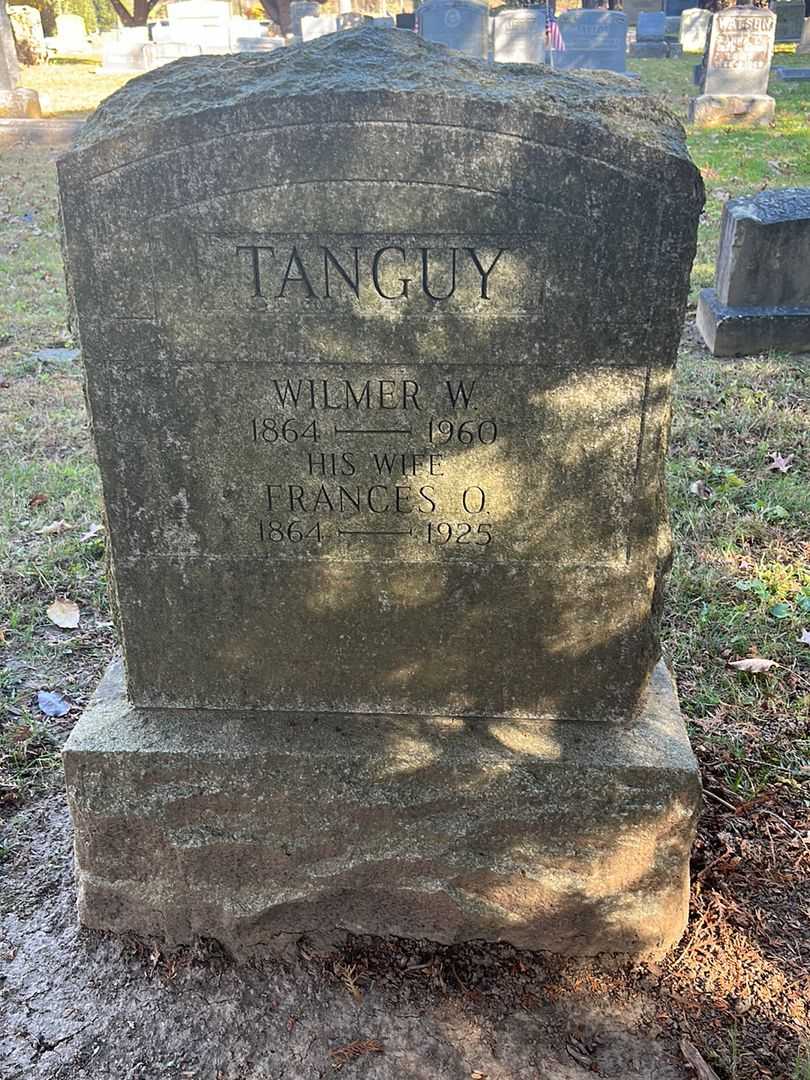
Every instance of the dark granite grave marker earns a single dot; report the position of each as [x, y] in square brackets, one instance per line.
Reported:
[789, 20]
[380, 395]
[761, 296]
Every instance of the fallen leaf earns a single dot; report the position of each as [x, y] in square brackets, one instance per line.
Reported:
[701, 489]
[803, 639]
[780, 610]
[697, 1061]
[64, 613]
[37, 500]
[342, 1055]
[754, 664]
[94, 530]
[55, 528]
[52, 704]
[2, 635]
[723, 196]
[779, 463]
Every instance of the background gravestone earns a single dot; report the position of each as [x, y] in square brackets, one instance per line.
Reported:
[694, 30]
[462, 25]
[650, 31]
[380, 396]
[804, 44]
[315, 26]
[27, 25]
[15, 102]
[632, 9]
[761, 295]
[789, 20]
[736, 68]
[595, 40]
[519, 36]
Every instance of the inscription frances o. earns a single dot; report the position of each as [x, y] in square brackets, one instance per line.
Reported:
[392, 271]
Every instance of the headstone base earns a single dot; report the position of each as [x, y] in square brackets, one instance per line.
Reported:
[741, 331]
[249, 828]
[649, 50]
[20, 104]
[745, 110]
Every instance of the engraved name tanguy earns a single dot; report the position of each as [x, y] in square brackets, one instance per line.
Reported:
[392, 271]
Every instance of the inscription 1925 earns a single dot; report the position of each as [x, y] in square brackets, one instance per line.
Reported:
[366, 460]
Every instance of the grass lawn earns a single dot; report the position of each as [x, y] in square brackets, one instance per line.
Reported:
[740, 586]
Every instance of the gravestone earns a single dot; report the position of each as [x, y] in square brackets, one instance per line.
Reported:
[123, 50]
[462, 25]
[201, 22]
[650, 30]
[380, 396]
[789, 20]
[519, 36]
[761, 295]
[157, 53]
[633, 8]
[406, 20]
[298, 10]
[315, 26]
[792, 74]
[804, 43]
[594, 40]
[694, 31]
[15, 101]
[27, 25]
[71, 35]
[735, 70]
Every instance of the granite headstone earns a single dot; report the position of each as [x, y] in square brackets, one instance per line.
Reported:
[595, 40]
[761, 296]
[380, 394]
[804, 44]
[462, 25]
[650, 31]
[789, 20]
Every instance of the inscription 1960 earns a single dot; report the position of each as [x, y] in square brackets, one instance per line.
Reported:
[343, 469]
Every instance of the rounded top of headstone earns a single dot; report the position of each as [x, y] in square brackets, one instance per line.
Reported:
[207, 96]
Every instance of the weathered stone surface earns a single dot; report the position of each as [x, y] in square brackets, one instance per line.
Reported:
[710, 110]
[570, 837]
[520, 541]
[804, 43]
[651, 26]
[761, 298]
[650, 50]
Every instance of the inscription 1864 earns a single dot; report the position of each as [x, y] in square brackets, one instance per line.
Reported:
[366, 460]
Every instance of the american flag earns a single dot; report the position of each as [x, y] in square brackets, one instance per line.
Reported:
[555, 38]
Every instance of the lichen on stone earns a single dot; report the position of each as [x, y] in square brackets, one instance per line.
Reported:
[373, 59]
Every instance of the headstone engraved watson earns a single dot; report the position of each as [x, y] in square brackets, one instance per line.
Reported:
[761, 295]
[384, 485]
[594, 40]
[735, 70]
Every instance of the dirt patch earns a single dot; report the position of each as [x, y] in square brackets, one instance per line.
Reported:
[79, 1005]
